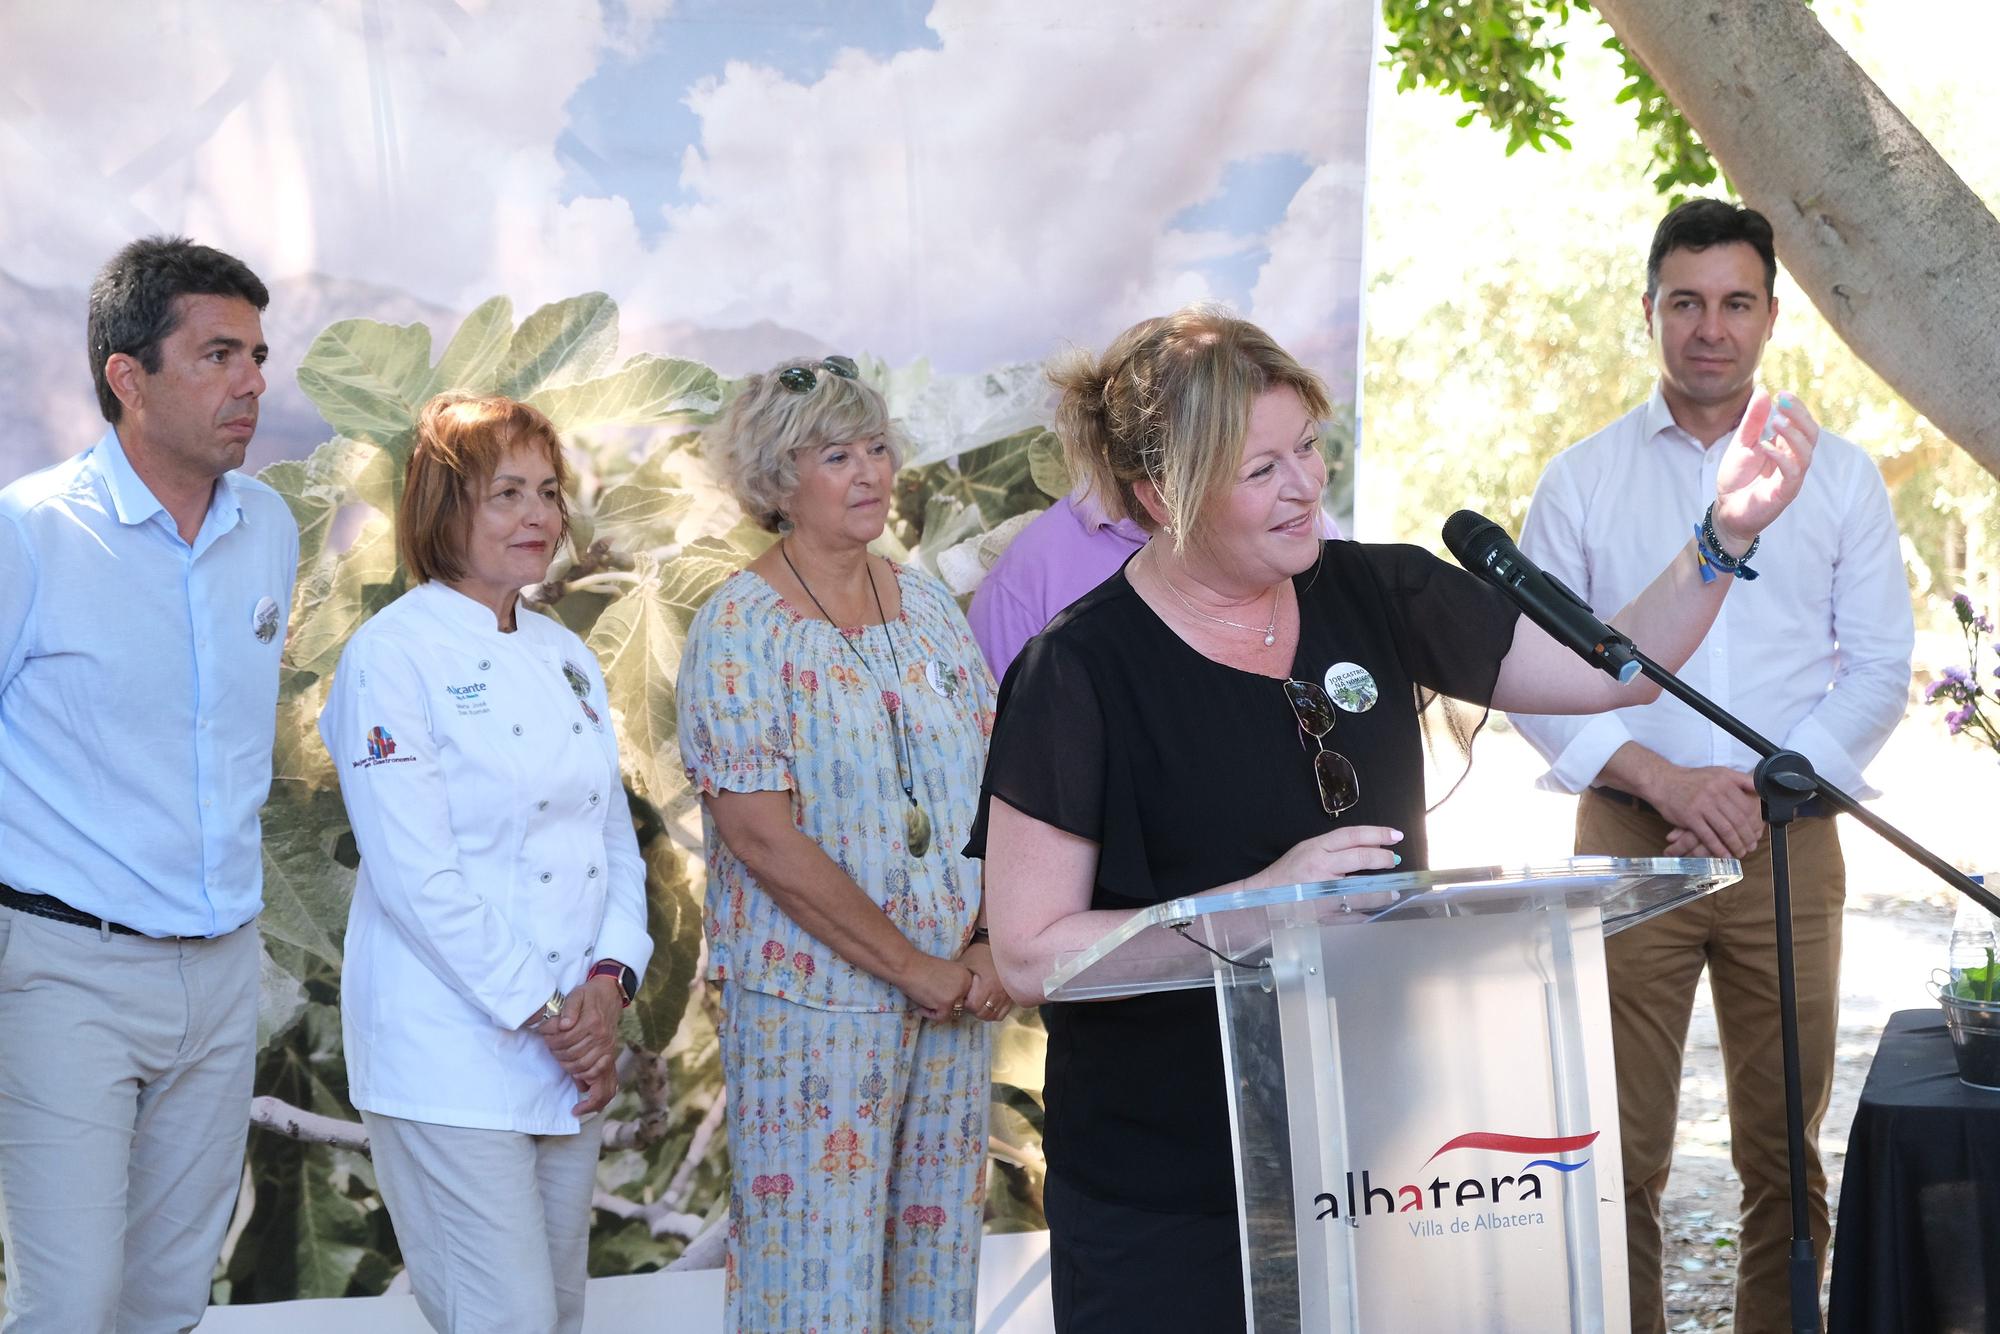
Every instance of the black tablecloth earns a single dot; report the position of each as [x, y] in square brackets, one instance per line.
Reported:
[1917, 1245]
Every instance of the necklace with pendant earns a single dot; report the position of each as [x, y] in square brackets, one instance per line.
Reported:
[916, 824]
[1270, 632]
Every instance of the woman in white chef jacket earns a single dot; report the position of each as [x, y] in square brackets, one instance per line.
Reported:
[499, 921]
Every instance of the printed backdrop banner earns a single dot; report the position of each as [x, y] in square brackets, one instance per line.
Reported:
[949, 191]
[951, 181]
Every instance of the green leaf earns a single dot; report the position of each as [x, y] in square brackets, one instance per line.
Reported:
[472, 360]
[306, 890]
[645, 390]
[673, 920]
[638, 641]
[339, 473]
[281, 996]
[368, 380]
[333, 1234]
[1047, 467]
[643, 511]
[337, 594]
[562, 343]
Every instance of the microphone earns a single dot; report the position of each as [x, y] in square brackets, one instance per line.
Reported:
[1483, 547]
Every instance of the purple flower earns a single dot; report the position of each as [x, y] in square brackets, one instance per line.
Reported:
[1957, 719]
[1962, 606]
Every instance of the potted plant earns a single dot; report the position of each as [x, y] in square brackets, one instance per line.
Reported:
[1970, 994]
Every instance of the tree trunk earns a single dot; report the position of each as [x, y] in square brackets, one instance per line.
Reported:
[1897, 252]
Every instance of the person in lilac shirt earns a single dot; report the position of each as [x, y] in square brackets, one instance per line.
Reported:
[1069, 549]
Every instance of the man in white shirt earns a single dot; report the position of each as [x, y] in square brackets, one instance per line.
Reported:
[1815, 654]
[144, 590]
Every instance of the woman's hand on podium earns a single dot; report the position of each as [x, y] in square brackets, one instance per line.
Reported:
[1330, 856]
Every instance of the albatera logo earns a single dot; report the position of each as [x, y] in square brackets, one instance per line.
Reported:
[1521, 1186]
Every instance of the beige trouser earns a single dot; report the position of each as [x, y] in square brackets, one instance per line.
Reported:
[1654, 968]
[494, 1225]
[125, 1077]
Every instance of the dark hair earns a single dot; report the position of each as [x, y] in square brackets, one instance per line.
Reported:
[1701, 223]
[132, 303]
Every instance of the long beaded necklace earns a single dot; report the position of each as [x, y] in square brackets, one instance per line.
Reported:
[1270, 632]
[916, 824]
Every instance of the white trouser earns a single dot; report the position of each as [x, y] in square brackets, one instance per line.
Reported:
[494, 1225]
[125, 1076]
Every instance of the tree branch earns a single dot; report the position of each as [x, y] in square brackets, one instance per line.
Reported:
[697, 1149]
[648, 1073]
[661, 1219]
[280, 1117]
[705, 1251]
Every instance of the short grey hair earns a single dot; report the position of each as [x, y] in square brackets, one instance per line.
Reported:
[754, 447]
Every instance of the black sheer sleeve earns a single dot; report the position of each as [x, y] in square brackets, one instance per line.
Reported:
[1047, 758]
[1451, 628]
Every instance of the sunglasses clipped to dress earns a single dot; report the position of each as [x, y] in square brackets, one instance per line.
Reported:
[1339, 787]
[801, 379]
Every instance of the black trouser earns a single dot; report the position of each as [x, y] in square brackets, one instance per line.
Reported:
[1114, 1269]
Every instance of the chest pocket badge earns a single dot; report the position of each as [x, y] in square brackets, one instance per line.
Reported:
[942, 678]
[264, 620]
[579, 685]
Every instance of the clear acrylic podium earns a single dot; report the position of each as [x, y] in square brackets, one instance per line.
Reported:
[1421, 1092]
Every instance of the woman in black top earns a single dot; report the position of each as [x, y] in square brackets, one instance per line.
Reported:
[1167, 736]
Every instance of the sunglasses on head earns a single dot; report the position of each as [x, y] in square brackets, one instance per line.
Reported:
[1339, 787]
[801, 379]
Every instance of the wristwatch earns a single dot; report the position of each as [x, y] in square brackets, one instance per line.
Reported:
[552, 1008]
[627, 980]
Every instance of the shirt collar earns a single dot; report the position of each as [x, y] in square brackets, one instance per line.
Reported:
[1091, 516]
[1660, 417]
[135, 502]
[456, 609]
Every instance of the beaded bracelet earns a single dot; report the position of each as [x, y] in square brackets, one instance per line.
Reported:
[1708, 552]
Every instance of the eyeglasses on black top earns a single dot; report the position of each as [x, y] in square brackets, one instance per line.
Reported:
[1339, 787]
[801, 379]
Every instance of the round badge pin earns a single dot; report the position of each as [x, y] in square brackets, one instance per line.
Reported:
[942, 679]
[1351, 687]
[264, 620]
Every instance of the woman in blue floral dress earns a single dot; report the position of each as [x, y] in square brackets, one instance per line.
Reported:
[834, 712]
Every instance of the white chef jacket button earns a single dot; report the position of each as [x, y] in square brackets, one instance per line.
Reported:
[555, 956]
[593, 798]
[517, 729]
[546, 877]
[576, 727]
[592, 873]
[485, 664]
[542, 805]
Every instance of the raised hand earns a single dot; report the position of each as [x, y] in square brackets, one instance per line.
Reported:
[1760, 477]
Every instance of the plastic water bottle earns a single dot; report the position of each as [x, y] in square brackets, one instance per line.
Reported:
[1975, 940]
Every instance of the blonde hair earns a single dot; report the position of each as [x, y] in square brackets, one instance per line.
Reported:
[461, 439]
[1169, 403]
[754, 447]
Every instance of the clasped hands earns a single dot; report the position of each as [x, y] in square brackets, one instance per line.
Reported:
[584, 1040]
[950, 989]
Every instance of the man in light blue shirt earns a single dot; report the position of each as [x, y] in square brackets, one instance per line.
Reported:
[145, 588]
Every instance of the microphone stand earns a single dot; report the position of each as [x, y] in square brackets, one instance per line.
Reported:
[1786, 781]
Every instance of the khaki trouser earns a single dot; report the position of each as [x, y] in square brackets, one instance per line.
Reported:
[494, 1225]
[125, 1077]
[1653, 971]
